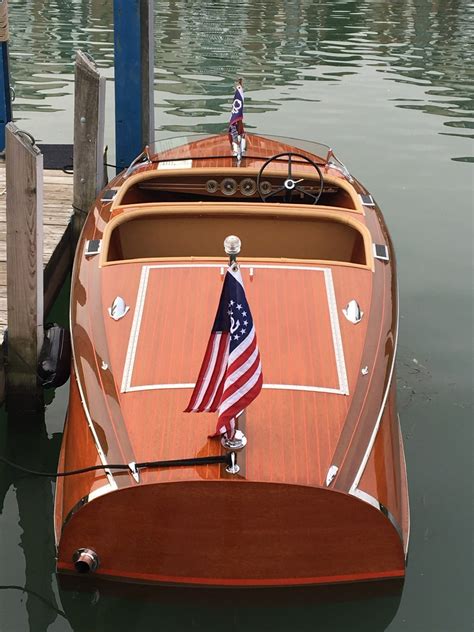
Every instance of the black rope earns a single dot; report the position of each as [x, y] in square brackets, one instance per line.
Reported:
[206, 460]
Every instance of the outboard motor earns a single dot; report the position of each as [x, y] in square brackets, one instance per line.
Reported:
[54, 363]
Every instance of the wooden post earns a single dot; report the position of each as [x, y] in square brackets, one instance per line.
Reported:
[5, 96]
[134, 78]
[89, 117]
[24, 179]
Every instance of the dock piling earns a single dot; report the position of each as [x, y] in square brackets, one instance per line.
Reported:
[24, 212]
[134, 78]
[89, 117]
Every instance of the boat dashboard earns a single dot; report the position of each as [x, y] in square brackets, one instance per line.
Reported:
[229, 184]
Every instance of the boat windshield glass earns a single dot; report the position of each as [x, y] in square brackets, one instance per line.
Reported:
[188, 147]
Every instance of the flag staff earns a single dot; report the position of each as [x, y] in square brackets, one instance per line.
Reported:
[232, 245]
[238, 440]
[230, 377]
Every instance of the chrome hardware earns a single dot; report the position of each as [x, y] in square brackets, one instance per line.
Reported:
[132, 466]
[248, 187]
[228, 186]
[332, 471]
[381, 252]
[85, 560]
[142, 159]
[232, 245]
[367, 199]
[108, 195]
[365, 370]
[212, 186]
[104, 366]
[118, 309]
[233, 468]
[93, 247]
[236, 151]
[238, 441]
[353, 312]
[333, 162]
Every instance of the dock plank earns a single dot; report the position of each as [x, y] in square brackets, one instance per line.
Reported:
[57, 215]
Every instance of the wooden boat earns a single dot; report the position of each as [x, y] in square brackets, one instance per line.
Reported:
[321, 495]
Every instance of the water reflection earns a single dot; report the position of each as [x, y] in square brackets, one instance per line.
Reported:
[359, 608]
[27, 442]
[84, 604]
[201, 47]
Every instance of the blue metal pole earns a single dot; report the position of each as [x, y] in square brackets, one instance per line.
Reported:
[5, 95]
[128, 81]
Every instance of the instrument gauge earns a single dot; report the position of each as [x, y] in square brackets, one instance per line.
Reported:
[212, 186]
[248, 187]
[228, 186]
[265, 187]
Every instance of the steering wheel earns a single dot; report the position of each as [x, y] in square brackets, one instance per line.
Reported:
[289, 185]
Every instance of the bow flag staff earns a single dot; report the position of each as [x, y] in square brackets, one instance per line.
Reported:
[236, 126]
[231, 373]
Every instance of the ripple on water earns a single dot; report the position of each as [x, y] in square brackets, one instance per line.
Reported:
[203, 46]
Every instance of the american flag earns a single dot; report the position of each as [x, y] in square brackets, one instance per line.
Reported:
[231, 374]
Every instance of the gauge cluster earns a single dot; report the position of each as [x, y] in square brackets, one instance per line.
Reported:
[231, 186]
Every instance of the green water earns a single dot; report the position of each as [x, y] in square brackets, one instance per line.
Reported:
[390, 86]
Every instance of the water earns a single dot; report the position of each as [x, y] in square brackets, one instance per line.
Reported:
[390, 86]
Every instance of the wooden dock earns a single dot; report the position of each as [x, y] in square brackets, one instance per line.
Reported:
[41, 201]
[57, 243]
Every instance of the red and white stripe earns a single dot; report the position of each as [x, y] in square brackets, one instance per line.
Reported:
[210, 382]
[227, 383]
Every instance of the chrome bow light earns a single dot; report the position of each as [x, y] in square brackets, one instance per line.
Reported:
[232, 245]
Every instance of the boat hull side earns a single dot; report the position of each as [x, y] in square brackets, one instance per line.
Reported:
[234, 533]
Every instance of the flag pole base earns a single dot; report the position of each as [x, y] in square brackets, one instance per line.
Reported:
[233, 468]
[238, 441]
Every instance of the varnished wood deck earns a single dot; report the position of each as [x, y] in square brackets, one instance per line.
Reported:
[57, 211]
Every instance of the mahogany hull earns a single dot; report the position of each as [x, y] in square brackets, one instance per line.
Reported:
[234, 533]
[322, 494]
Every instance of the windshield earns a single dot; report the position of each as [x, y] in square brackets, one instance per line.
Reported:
[218, 145]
